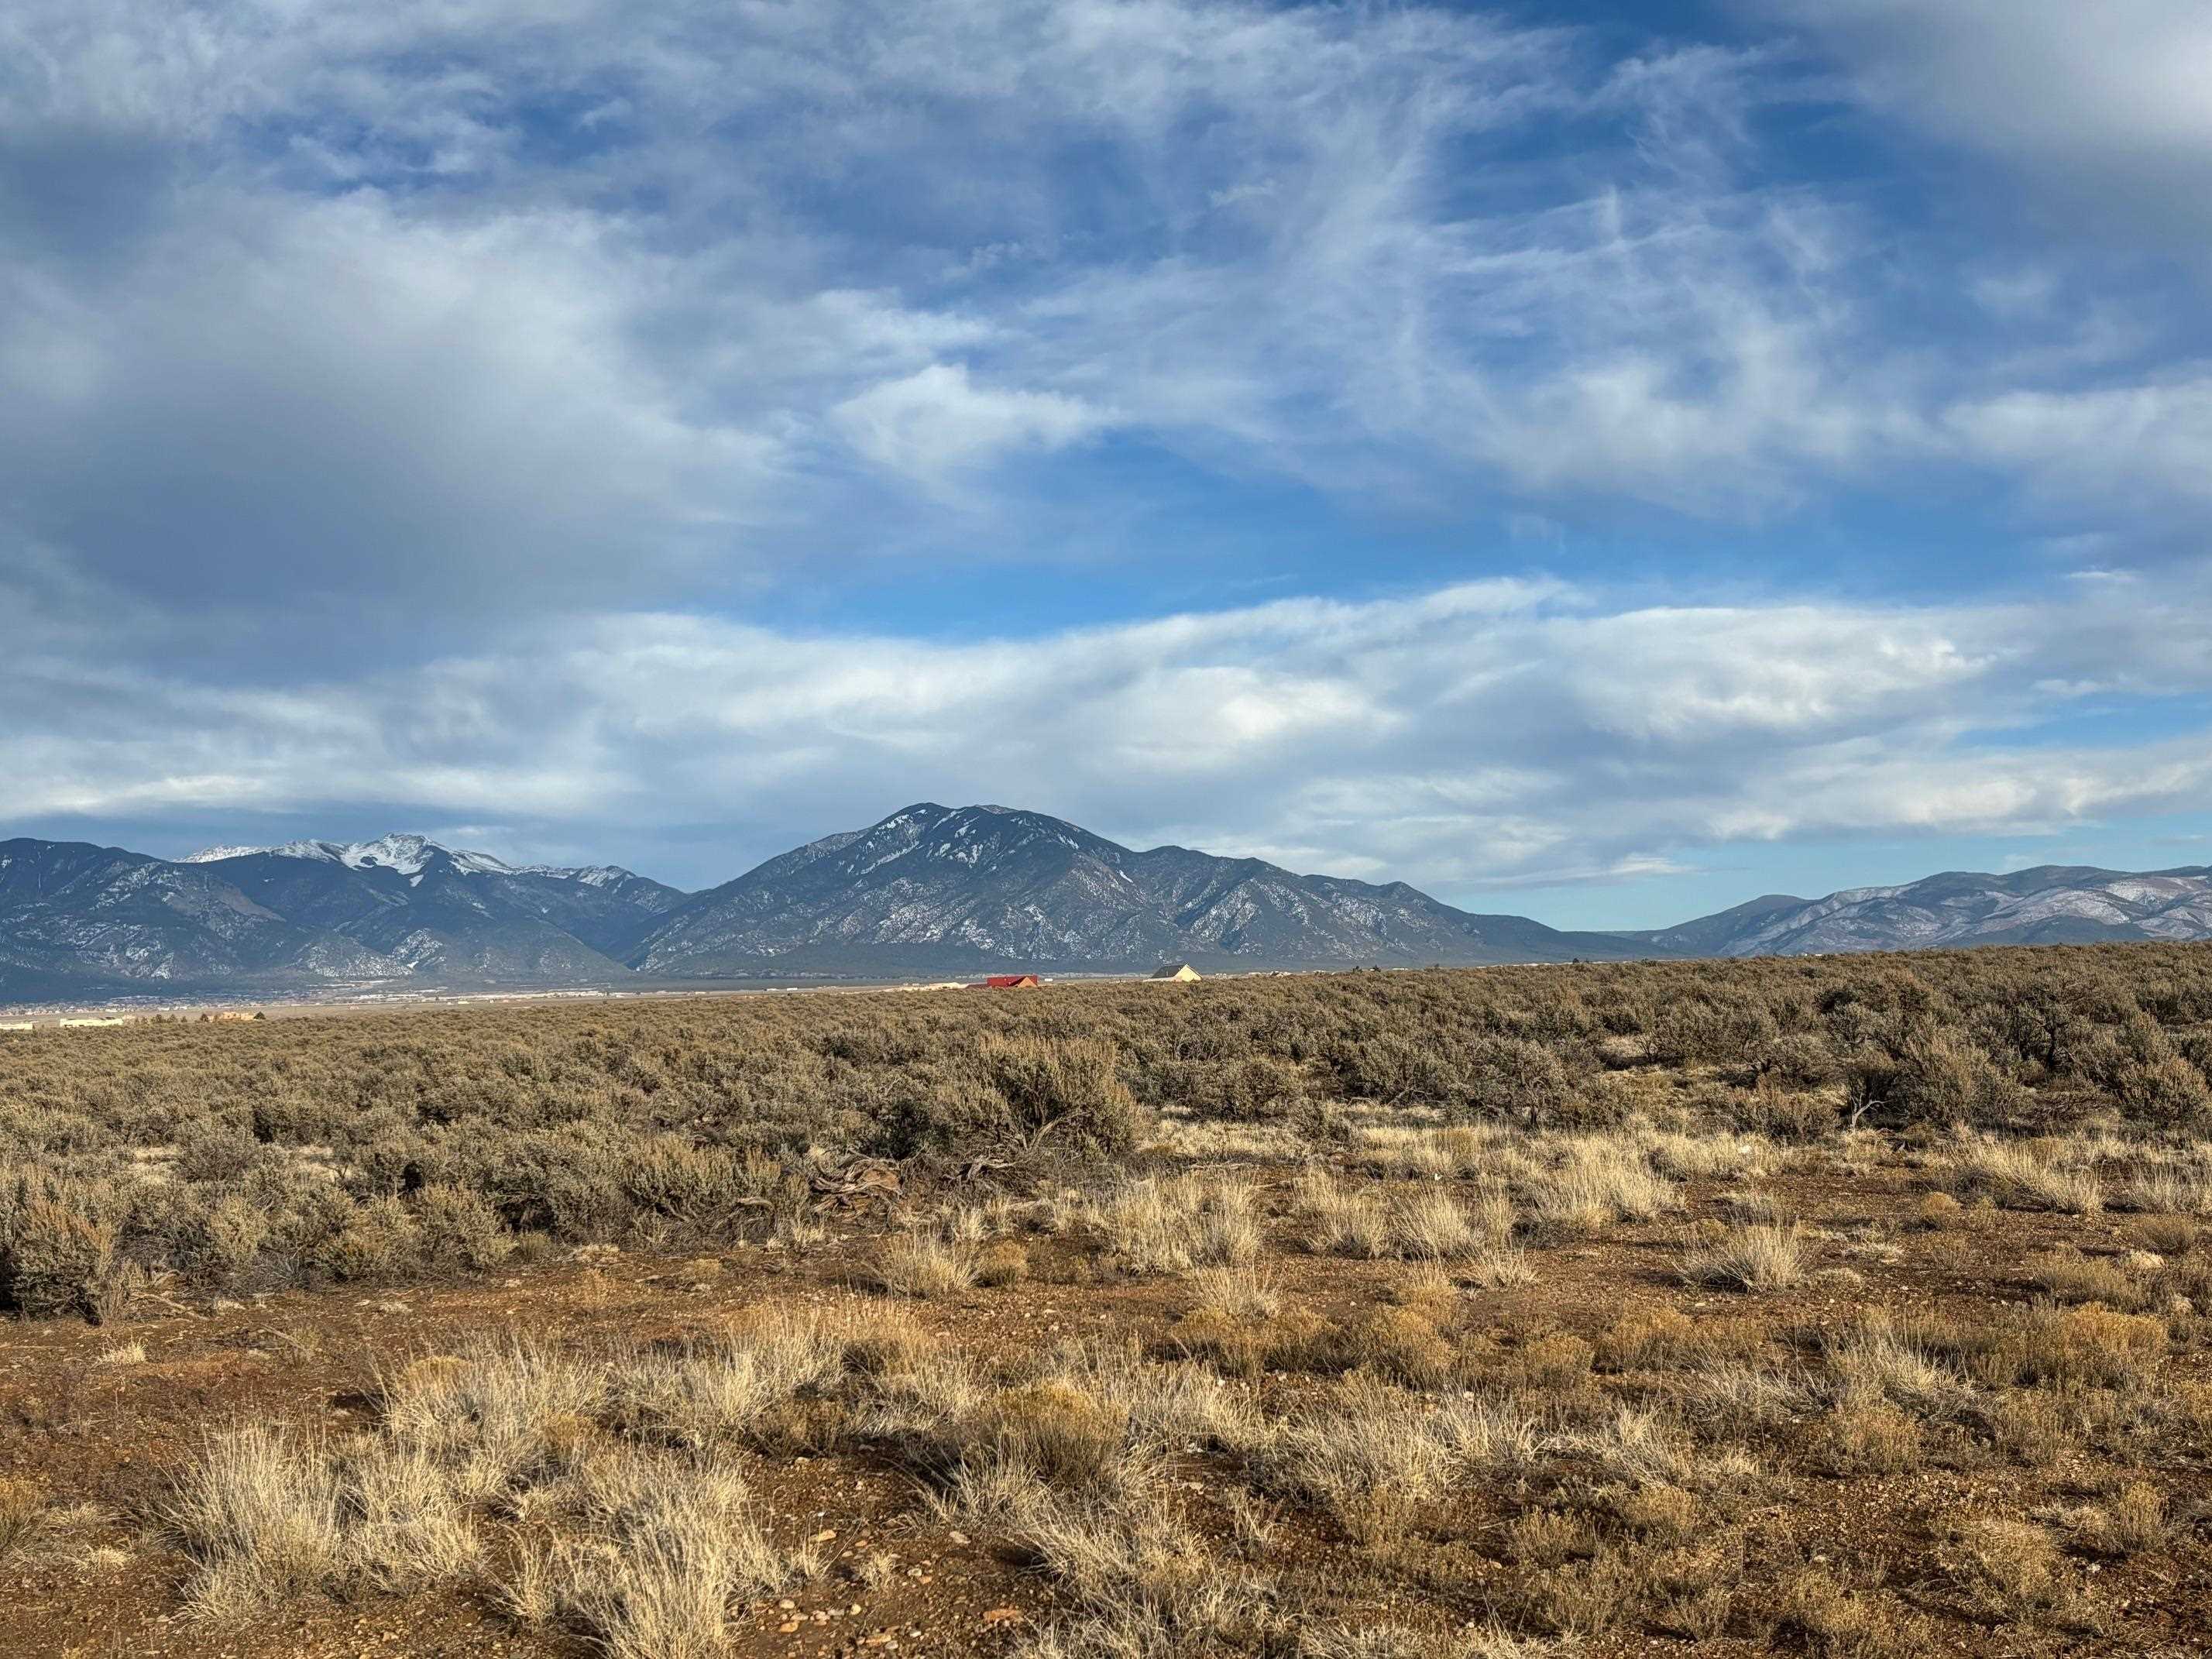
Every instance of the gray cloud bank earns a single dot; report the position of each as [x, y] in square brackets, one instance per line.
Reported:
[1493, 732]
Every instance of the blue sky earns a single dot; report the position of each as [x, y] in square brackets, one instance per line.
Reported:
[1603, 462]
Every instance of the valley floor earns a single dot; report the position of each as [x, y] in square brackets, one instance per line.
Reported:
[1853, 1309]
[1778, 1396]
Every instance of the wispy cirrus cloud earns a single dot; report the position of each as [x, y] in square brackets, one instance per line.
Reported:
[418, 409]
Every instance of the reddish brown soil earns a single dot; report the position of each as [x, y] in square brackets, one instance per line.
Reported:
[107, 1435]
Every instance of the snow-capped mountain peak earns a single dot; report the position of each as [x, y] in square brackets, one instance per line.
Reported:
[596, 875]
[403, 855]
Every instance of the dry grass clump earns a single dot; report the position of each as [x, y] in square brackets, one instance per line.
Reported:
[1759, 1257]
[1294, 1339]
[2091, 1344]
[1430, 1224]
[919, 1264]
[23, 1512]
[1434, 1226]
[2134, 1522]
[1371, 1444]
[258, 1510]
[2012, 1572]
[1861, 1437]
[2072, 1276]
[1594, 1182]
[2027, 1176]
[2167, 1183]
[1245, 1294]
[1002, 1264]
[753, 1385]
[1828, 1617]
[1340, 1218]
[2168, 1234]
[1402, 1344]
[1941, 1212]
[678, 1545]
[628, 1456]
[1647, 1337]
[1174, 1226]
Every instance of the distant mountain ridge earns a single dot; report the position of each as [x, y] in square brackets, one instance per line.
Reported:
[929, 890]
[2050, 904]
[957, 888]
[75, 918]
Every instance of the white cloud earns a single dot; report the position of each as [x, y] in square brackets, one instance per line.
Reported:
[937, 420]
[1496, 734]
[377, 383]
[2093, 441]
[408, 300]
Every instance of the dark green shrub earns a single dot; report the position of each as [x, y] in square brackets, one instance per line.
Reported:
[460, 1228]
[1504, 1077]
[1249, 1090]
[1070, 1092]
[379, 1241]
[1935, 1076]
[57, 1259]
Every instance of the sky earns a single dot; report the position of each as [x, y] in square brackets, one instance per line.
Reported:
[1596, 461]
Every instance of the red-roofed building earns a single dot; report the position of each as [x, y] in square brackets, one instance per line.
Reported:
[1007, 982]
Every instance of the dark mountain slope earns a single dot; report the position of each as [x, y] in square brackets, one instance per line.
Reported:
[954, 889]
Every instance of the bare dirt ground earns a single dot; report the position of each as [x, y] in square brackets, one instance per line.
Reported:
[105, 1433]
[1854, 1308]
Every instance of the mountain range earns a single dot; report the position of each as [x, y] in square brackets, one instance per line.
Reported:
[2050, 904]
[930, 890]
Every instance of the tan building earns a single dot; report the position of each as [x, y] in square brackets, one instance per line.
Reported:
[1182, 971]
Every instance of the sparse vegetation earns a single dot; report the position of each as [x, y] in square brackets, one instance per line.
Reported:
[1842, 1306]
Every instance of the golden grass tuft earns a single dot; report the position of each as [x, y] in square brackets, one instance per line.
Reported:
[1761, 1256]
[919, 1265]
